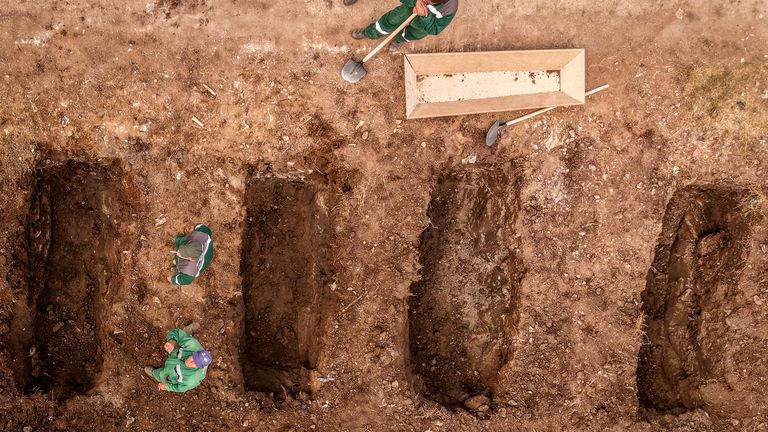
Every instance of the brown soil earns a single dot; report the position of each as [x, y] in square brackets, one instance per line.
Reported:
[71, 256]
[380, 250]
[286, 283]
[464, 311]
[691, 288]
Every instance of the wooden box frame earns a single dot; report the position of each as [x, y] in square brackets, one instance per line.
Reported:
[569, 62]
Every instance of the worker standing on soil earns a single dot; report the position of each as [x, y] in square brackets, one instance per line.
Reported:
[193, 254]
[186, 365]
[433, 17]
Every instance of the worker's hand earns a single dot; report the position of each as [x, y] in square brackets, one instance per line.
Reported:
[180, 256]
[169, 346]
[161, 387]
[421, 8]
[192, 227]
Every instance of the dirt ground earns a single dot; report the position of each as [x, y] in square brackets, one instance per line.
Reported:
[603, 267]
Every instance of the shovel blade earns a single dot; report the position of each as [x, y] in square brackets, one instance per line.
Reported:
[493, 134]
[353, 71]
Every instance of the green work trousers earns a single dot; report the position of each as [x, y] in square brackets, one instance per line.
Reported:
[392, 20]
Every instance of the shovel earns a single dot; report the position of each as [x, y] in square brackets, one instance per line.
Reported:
[353, 71]
[493, 132]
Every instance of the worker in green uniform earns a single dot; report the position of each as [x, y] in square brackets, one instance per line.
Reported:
[193, 254]
[186, 365]
[433, 17]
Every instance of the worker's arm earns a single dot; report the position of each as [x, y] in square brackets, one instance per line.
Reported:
[178, 388]
[174, 388]
[409, 3]
[184, 340]
[189, 383]
[174, 335]
[179, 336]
[179, 241]
[433, 25]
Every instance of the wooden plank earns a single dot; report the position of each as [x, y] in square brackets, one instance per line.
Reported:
[411, 91]
[572, 77]
[499, 104]
[491, 61]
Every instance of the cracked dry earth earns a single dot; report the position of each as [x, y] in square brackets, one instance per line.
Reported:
[603, 267]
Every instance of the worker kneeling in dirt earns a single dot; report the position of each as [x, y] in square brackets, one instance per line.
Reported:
[186, 364]
[433, 17]
[194, 252]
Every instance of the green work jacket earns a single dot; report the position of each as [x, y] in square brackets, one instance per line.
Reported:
[187, 271]
[438, 18]
[174, 373]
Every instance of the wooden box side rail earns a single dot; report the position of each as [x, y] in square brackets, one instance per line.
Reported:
[572, 77]
[497, 104]
[410, 84]
[492, 61]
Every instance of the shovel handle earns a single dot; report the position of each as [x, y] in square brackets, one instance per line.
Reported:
[543, 110]
[527, 116]
[389, 38]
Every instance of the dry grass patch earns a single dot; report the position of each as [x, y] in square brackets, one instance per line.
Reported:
[729, 100]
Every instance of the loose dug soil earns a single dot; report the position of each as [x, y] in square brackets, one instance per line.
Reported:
[690, 291]
[286, 273]
[463, 313]
[72, 256]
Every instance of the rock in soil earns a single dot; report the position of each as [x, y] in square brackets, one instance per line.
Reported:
[476, 402]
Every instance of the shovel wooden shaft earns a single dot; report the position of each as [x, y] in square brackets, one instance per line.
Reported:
[543, 110]
[389, 38]
[527, 116]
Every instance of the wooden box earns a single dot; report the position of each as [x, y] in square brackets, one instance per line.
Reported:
[447, 84]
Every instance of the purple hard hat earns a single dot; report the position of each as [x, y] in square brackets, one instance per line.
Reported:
[202, 358]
